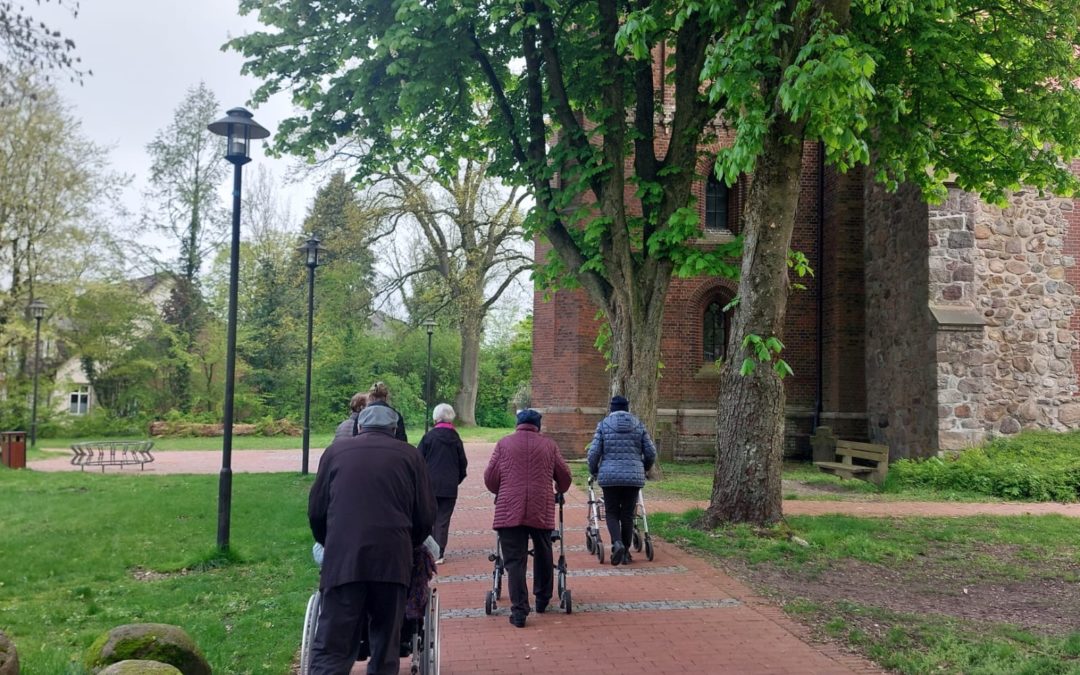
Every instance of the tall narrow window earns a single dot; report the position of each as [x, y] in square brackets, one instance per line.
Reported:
[714, 332]
[716, 204]
[79, 401]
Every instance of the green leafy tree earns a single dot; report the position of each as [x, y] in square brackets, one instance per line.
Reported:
[982, 91]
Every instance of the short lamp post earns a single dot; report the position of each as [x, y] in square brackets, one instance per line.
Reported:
[311, 250]
[239, 129]
[429, 325]
[37, 310]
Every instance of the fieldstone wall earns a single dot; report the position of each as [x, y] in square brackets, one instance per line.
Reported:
[901, 371]
[1010, 264]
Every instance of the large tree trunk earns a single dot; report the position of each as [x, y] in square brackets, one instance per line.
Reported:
[750, 415]
[636, 328]
[471, 331]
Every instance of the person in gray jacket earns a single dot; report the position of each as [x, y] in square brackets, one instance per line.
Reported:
[620, 454]
[350, 427]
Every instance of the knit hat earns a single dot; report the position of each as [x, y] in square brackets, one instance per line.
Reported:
[619, 403]
[529, 416]
[377, 416]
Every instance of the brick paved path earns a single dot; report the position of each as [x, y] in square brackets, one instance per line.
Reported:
[676, 614]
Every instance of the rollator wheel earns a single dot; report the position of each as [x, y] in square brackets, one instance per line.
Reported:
[311, 624]
[562, 583]
[589, 543]
[566, 604]
[637, 540]
[498, 585]
[489, 603]
[600, 550]
[648, 548]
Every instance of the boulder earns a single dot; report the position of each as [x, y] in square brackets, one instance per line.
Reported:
[139, 667]
[148, 641]
[9, 657]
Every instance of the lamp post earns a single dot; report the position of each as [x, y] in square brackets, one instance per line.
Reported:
[429, 324]
[239, 129]
[311, 250]
[37, 310]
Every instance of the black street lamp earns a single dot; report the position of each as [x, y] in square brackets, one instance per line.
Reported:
[37, 310]
[311, 250]
[239, 129]
[429, 324]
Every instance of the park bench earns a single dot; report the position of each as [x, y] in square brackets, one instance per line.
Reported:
[852, 459]
[112, 453]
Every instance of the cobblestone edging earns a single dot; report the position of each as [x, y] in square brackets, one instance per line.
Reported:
[612, 572]
[643, 606]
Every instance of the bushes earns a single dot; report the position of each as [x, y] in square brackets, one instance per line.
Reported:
[1033, 466]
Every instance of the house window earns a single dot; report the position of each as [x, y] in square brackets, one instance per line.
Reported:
[79, 401]
[714, 332]
[716, 204]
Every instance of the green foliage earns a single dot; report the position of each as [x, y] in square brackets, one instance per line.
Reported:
[764, 350]
[1032, 466]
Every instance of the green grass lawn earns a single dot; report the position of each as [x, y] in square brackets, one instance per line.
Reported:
[84, 553]
[321, 440]
[918, 595]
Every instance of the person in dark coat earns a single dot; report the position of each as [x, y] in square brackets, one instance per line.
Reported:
[445, 455]
[619, 455]
[350, 427]
[520, 473]
[378, 395]
[371, 505]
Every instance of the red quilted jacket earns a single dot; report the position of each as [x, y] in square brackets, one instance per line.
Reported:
[520, 474]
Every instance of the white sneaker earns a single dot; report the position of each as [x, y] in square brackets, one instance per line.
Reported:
[440, 561]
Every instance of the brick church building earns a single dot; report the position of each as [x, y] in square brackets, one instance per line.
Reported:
[925, 327]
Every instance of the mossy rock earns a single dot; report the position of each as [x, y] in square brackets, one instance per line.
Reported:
[9, 657]
[139, 667]
[148, 642]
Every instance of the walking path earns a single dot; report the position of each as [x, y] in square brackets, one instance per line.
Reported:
[676, 614]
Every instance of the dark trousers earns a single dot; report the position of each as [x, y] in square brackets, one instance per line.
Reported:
[515, 549]
[444, 510]
[344, 611]
[620, 504]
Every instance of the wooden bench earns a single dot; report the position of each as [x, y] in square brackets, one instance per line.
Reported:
[112, 453]
[873, 461]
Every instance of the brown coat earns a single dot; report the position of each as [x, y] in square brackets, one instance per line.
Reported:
[520, 473]
[370, 505]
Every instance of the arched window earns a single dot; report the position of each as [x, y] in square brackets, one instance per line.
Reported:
[716, 204]
[714, 331]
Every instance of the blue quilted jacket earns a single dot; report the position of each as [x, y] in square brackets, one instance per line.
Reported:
[621, 451]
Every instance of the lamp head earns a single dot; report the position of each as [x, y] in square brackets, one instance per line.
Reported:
[239, 129]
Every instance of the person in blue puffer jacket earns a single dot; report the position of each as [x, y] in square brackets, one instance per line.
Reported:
[620, 454]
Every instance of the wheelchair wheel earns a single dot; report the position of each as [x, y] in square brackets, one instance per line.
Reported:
[489, 603]
[429, 664]
[565, 602]
[311, 624]
[637, 540]
[648, 548]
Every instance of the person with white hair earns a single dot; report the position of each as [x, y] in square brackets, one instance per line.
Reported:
[447, 464]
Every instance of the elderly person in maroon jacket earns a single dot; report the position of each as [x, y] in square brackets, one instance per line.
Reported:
[370, 506]
[447, 465]
[520, 474]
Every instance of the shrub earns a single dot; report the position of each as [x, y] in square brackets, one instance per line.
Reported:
[1033, 466]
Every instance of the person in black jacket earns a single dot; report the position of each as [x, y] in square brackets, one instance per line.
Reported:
[445, 455]
[371, 505]
[378, 395]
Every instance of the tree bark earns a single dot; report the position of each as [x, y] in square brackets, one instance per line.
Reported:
[750, 414]
[465, 403]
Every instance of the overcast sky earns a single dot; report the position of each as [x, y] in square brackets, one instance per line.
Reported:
[145, 55]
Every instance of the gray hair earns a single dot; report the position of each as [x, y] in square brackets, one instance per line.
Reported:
[443, 413]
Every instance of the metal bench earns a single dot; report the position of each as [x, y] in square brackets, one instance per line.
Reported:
[112, 453]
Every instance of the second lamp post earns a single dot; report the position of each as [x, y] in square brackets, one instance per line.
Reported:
[37, 310]
[429, 325]
[312, 250]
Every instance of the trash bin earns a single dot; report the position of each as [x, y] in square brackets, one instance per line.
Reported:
[13, 449]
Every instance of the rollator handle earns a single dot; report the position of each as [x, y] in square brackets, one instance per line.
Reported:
[559, 498]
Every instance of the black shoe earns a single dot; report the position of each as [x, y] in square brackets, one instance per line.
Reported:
[618, 553]
[541, 606]
[517, 619]
[626, 557]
